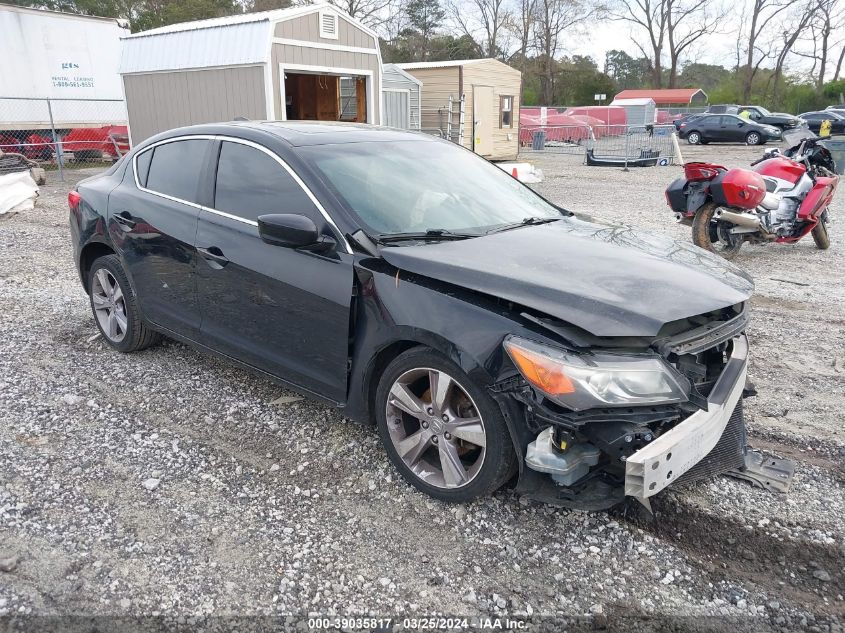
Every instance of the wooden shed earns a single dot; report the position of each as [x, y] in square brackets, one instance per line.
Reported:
[488, 119]
[308, 63]
[401, 94]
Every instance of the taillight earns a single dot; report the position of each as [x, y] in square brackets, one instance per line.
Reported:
[73, 200]
[683, 124]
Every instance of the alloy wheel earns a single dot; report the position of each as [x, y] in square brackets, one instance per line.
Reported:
[752, 139]
[109, 305]
[436, 428]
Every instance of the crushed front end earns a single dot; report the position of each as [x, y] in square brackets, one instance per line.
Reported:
[605, 419]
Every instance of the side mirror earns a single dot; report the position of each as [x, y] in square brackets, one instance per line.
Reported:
[292, 231]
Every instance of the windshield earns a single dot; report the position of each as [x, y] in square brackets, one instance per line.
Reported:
[763, 110]
[420, 185]
[793, 137]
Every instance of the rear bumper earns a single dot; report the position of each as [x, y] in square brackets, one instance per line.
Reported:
[666, 459]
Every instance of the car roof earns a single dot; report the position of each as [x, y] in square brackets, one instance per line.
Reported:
[303, 133]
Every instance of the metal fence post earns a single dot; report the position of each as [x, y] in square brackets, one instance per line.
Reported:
[59, 157]
[627, 142]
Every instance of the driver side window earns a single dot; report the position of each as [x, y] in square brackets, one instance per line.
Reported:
[251, 183]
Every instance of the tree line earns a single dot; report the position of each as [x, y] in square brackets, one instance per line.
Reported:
[788, 54]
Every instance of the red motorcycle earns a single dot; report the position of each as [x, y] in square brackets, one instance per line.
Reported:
[782, 198]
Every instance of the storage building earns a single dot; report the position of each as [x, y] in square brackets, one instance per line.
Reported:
[487, 120]
[668, 96]
[639, 111]
[401, 94]
[308, 63]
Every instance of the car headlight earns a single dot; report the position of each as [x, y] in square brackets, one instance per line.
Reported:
[580, 382]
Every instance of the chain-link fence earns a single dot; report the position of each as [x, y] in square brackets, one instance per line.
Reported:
[447, 120]
[61, 134]
[638, 145]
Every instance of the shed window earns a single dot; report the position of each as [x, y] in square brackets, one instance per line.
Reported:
[506, 110]
[328, 25]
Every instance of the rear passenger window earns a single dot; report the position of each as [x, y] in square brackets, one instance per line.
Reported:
[251, 183]
[142, 166]
[175, 169]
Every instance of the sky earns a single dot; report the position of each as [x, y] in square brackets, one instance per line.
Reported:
[606, 35]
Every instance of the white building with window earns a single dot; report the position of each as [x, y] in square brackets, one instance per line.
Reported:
[491, 91]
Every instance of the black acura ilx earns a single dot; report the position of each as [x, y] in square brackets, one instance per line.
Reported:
[491, 335]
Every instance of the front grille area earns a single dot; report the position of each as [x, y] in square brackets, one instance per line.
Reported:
[729, 452]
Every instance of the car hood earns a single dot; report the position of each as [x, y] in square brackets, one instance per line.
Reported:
[607, 280]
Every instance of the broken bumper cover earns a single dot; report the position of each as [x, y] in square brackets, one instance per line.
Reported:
[663, 461]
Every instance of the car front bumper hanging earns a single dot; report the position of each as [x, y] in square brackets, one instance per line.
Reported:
[666, 459]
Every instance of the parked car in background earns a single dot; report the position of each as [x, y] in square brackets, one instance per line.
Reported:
[779, 120]
[413, 284]
[95, 143]
[814, 120]
[724, 108]
[727, 128]
[840, 106]
[685, 118]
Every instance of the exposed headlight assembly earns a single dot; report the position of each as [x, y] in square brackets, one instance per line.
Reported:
[579, 381]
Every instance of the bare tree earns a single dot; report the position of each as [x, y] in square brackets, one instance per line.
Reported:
[650, 17]
[826, 19]
[482, 20]
[371, 12]
[795, 24]
[523, 25]
[554, 18]
[764, 14]
[687, 21]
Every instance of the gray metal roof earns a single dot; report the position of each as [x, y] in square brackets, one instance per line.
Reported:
[228, 41]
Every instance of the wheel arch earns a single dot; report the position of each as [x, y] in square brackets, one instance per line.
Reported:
[88, 255]
[404, 340]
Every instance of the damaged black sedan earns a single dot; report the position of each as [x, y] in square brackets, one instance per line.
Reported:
[488, 333]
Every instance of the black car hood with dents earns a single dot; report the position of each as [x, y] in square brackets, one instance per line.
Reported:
[607, 280]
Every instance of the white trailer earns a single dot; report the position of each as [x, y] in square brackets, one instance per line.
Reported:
[61, 64]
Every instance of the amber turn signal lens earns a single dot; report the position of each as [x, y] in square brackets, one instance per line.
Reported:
[541, 371]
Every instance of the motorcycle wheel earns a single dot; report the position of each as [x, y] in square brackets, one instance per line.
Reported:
[712, 235]
[820, 236]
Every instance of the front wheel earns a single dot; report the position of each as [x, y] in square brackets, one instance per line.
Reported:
[442, 431]
[752, 138]
[712, 235]
[820, 236]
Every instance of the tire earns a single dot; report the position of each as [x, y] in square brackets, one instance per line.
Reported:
[114, 305]
[426, 438]
[753, 138]
[710, 235]
[694, 138]
[820, 235]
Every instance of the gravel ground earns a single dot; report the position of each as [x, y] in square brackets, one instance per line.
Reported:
[169, 484]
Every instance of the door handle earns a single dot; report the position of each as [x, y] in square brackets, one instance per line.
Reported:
[213, 256]
[124, 218]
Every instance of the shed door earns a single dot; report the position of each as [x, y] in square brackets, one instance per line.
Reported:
[396, 105]
[484, 120]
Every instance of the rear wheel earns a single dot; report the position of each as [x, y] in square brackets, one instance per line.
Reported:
[693, 138]
[820, 236]
[115, 307]
[752, 138]
[713, 235]
[442, 431]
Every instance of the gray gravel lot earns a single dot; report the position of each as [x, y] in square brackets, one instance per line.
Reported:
[170, 483]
